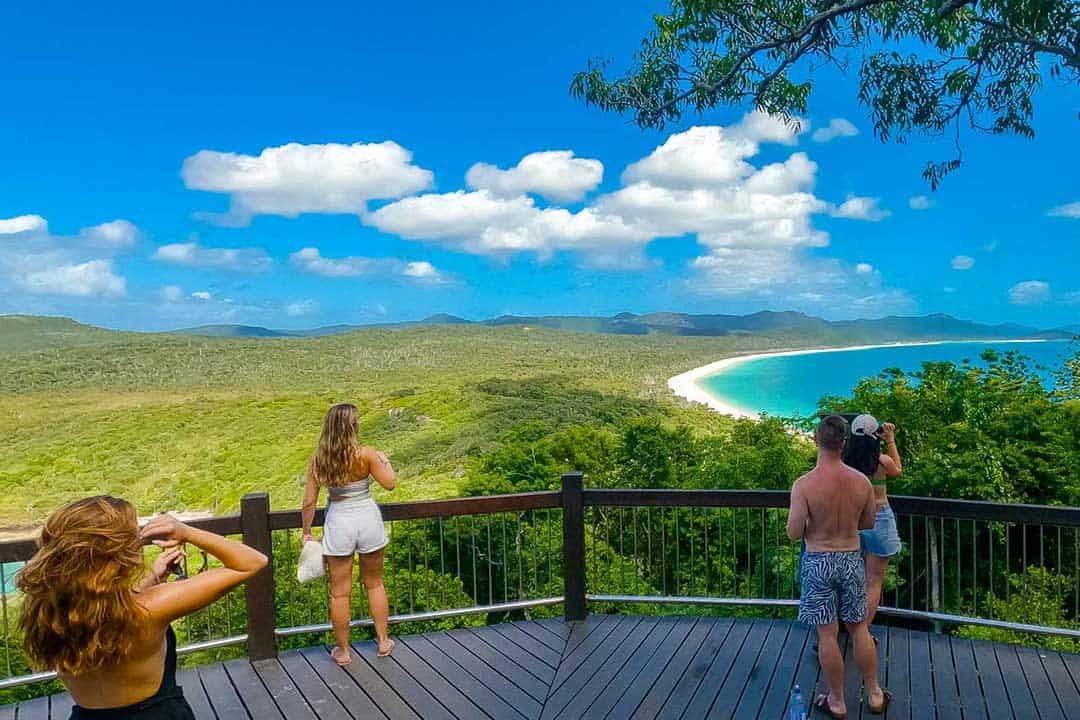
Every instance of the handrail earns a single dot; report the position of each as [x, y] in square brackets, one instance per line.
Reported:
[257, 523]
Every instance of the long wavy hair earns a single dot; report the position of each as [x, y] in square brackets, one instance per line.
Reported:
[863, 452]
[337, 446]
[79, 612]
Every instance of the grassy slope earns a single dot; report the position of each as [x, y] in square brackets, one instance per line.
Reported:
[193, 423]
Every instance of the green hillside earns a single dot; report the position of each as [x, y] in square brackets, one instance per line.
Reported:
[23, 333]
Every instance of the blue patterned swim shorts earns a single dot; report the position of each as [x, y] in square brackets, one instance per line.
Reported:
[833, 584]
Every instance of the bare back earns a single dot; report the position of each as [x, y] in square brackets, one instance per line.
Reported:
[833, 502]
[136, 678]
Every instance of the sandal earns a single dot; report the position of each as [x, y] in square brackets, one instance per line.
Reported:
[822, 706]
[335, 654]
[886, 699]
[389, 649]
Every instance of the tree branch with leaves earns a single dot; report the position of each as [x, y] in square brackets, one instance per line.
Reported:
[967, 64]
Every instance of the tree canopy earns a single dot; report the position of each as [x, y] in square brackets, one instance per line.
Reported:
[925, 66]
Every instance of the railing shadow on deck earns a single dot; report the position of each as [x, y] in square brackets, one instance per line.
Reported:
[512, 555]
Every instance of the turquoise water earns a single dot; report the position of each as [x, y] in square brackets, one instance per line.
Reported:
[793, 384]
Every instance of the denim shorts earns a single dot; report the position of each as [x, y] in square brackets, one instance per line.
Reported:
[884, 539]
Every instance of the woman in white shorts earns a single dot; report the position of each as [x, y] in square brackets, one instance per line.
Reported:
[353, 524]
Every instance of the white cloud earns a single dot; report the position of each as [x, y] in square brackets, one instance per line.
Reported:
[920, 202]
[191, 254]
[115, 235]
[293, 179]
[310, 260]
[962, 262]
[172, 293]
[24, 224]
[1029, 292]
[554, 174]
[861, 208]
[92, 278]
[302, 308]
[837, 127]
[201, 295]
[864, 268]
[1070, 210]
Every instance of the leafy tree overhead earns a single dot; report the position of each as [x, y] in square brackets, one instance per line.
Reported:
[925, 66]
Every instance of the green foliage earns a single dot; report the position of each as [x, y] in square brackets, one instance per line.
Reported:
[1036, 597]
[982, 433]
[975, 64]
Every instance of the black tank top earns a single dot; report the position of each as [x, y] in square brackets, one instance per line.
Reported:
[167, 703]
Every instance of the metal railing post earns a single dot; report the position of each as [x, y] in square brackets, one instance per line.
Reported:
[573, 503]
[259, 590]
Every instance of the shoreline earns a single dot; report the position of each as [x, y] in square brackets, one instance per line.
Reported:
[687, 386]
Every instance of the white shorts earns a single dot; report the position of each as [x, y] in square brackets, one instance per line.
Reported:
[353, 526]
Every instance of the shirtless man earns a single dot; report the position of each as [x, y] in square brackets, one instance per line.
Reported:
[829, 505]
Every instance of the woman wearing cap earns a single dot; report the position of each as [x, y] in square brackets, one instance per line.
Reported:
[864, 453]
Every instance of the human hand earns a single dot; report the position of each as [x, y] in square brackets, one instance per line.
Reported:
[308, 537]
[888, 431]
[165, 562]
[165, 531]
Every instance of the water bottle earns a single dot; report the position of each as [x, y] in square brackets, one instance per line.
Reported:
[796, 710]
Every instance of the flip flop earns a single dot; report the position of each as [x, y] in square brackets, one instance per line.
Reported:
[389, 649]
[886, 699]
[335, 654]
[822, 706]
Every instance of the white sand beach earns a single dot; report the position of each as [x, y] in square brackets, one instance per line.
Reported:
[687, 384]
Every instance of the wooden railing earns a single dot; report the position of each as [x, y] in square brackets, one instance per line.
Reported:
[962, 560]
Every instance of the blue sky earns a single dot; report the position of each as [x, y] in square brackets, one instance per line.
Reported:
[166, 166]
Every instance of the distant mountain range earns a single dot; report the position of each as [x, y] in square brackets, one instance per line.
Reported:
[925, 327]
[27, 332]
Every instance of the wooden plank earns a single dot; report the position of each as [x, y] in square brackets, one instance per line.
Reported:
[7, 712]
[508, 691]
[591, 636]
[348, 693]
[562, 695]
[256, 698]
[721, 704]
[853, 689]
[318, 696]
[259, 589]
[898, 674]
[542, 635]
[221, 693]
[560, 627]
[761, 673]
[1023, 705]
[412, 692]
[449, 696]
[469, 685]
[189, 682]
[1072, 664]
[36, 709]
[946, 690]
[502, 664]
[384, 696]
[1042, 690]
[60, 706]
[673, 654]
[500, 643]
[286, 695]
[921, 675]
[609, 670]
[573, 523]
[512, 633]
[699, 685]
[647, 651]
[967, 677]
[993, 684]
[1068, 694]
[775, 702]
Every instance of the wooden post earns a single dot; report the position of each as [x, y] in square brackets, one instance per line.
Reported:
[259, 590]
[573, 502]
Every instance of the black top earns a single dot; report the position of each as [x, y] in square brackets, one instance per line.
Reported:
[167, 703]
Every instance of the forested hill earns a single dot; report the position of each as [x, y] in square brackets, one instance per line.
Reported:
[24, 332]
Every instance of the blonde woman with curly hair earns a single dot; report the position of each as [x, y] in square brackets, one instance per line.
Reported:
[93, 613]
[353, 524]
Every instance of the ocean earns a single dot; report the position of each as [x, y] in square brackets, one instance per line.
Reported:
[790, 385]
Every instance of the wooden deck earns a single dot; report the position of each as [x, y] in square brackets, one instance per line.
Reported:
[621, 666]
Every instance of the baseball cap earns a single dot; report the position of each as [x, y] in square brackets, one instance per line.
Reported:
[864, 425]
